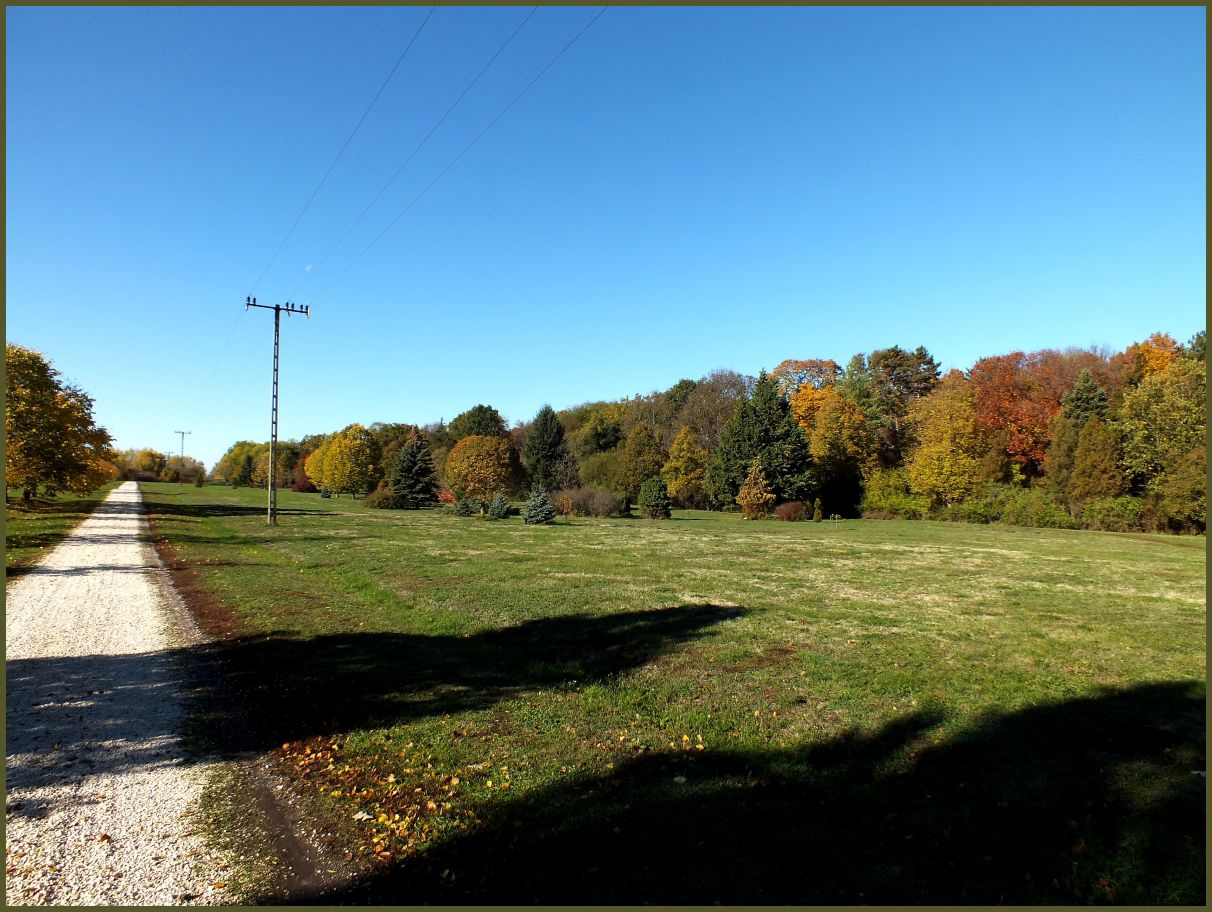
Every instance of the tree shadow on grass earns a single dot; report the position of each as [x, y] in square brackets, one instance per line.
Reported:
[1093, 800]
[210, 510]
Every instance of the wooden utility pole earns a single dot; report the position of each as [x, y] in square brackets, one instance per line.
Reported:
[272, 509]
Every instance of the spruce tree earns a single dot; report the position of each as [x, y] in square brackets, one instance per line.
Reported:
[498, 507]
[539, 510]
[546, 454]
[243, 477]
[414, 484]
[1085, 401]
[1059, 459]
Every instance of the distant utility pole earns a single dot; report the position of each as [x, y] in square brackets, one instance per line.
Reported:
[181, 467]
[278, 309]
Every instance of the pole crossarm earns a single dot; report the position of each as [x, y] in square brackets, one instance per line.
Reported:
[288, 308]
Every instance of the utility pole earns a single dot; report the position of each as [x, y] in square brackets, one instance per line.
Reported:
[278, 309]
[181, 467]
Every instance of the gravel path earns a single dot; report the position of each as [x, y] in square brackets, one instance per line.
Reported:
[99, 789]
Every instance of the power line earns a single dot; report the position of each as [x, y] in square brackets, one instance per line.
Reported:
[418, 148]
[348, 140]
[465, 150]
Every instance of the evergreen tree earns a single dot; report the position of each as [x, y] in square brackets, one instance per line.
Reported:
[761, 428]
[539, 510]
[414, 483]
[1059, 460]
[546, 454]
[1086, 400]
[244, 476]
[654, 499]
[755, 497]
[498, 507]
[1096, 468]
[817, 515]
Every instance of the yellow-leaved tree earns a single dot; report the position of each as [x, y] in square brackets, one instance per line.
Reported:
[51, 440]
[685, 469]
[480, 466]
[945, 466]
[755, 497]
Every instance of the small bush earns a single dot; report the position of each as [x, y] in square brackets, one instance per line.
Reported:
[1114, 514]
[381, 498]
[653, 500]
[985, 509]
[817, 516]
[200, 480]
[499, 507]
[587, 502]
[447, 497]
[887, 496]
[325, 492]
[466, 507]
[1034, 507]
[539, 511]
[792, 511]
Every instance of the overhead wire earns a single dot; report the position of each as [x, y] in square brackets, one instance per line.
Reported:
[345, 146]
[414, 152]
[501, 113]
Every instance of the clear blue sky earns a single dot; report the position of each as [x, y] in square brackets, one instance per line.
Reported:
[684, 190]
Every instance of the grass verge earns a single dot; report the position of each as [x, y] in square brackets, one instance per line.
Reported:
[708, 709]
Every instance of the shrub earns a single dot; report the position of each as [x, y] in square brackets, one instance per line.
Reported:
[755, 497]
[887, 496]
[653, 499]
[447, 497]
[817, 516]
[1034, 507]
[499, 507]
[200, 480]
[539, 510]
[325, 492]
[983, 509]
[466, 507]
[792, 511]
[1113, 514]
[587, 502]
[382, 498]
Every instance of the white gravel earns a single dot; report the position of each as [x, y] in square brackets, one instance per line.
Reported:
[99, 798]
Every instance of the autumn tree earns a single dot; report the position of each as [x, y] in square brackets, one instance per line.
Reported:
[480, 465]
[348, 461]
[302, 483]
[1163, 417]
[843, 447]
[546, 456]
[414, 484]
[1154, 355]
[1014, 408]
[51, 439]
[641, 459]
[804, 383]
[945, 464]
[755, 497]
[686, 468]
[314, 464]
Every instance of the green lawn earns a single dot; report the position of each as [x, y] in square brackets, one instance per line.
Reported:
[32, 529]
[708, 709]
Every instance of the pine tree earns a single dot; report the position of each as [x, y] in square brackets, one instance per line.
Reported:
[539, 510]
[245, 474]
[654, 499]
[755, 497]
[498, 507]
[414, 483]
[1086, 400]
[546, 453]
[762, 428]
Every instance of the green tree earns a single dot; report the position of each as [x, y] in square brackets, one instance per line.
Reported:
[1163, 417]
[653, 499]
[1086, 400]
[546, 455]
[51, 439]
[1059, 460]
[244, 474]
[414, 483]
[479, 421]
[898, 378]
[685, 470]
[539, 510]
[1096, 467]
[762, 428]
[641, 458]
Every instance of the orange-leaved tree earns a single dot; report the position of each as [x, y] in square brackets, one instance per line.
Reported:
[755, 497]
[480, 466]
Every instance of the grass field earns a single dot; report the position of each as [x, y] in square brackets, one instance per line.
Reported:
[33, 529]
[708, 709]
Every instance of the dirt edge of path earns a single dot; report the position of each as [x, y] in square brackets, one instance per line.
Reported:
[261, 818]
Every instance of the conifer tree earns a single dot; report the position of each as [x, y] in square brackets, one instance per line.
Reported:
[755, 497]
[414, 483]
[1096, 468]
[817, 515]
[539, 510]
[546, 454]
[1086, 400]
[1059, 459]
[244, 476]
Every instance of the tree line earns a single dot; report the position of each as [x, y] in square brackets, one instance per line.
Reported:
[1078, 438]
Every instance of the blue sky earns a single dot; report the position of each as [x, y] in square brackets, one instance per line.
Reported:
[683, 190]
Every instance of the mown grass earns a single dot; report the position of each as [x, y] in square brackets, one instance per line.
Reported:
[34, 528]
[709, 709]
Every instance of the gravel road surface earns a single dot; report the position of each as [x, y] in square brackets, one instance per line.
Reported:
[99, 789]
